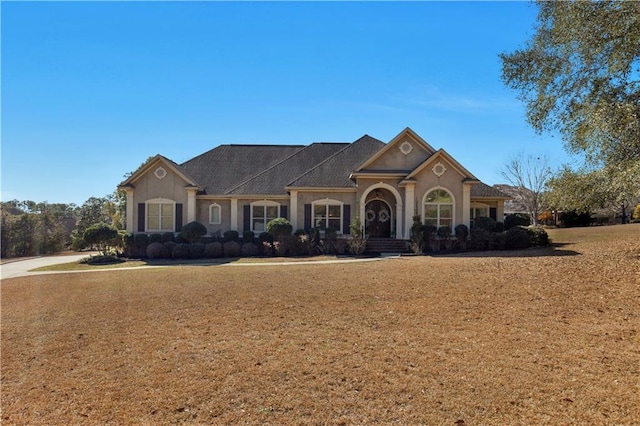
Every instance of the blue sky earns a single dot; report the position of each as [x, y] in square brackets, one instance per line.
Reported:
[92, 89]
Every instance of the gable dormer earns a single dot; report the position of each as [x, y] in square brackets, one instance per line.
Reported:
[405, 152]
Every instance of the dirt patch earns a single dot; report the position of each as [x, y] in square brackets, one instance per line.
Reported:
[527, 339]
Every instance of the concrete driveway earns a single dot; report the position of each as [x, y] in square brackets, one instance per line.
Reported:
[19, 268]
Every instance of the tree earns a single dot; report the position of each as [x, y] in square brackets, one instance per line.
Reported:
[529, 176]
[578, 75]
[101, 234]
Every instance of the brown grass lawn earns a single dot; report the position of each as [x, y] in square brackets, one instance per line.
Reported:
[534, 337]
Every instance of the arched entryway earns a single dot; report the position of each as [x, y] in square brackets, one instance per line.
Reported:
[378, 218]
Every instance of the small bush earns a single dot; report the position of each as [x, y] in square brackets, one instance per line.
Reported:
[196, 250]
[302, 232]
[231, 236]
[102, 260]
[232, 249]
[462, 232]
[167, 249]
[154, 250]
[168, 237]
[479, 239]
[127, 243]
[101, 234]
[248, 236]
[141, 241]
[207, 239]
[517, 238]
[192, 231]
[249, 250]
[516, 219]
[213, 250]
[499, 227]
[485, 223]
[357, 243]
[279, 227]
[539, 237]
[155, 238]
[265, 237]
[180, 251]
[497, 241]
[417, 235]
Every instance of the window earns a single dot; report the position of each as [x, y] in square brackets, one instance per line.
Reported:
[263, 212]
[438, 208]
[327, 214]
[478, 210]
[160, 215]
[215, 214]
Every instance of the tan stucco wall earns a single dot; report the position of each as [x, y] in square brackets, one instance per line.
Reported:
[202, 214]
[149, 187]
[451, 180]
[305, 197]
[394, 159]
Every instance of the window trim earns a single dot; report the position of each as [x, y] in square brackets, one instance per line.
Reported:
[327, 202]
[160, 201]
[262, 203]
[219, 207]
[453, 206]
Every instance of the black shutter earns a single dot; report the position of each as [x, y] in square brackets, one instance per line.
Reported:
[493, 213]
[346, 220]
[246, 220]
[178, 217]
[307, 217]
[141, 216]
[283, 212]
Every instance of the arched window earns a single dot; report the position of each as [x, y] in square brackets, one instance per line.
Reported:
[160, 215]
[262, 212]
[215, 214]
[438, 208]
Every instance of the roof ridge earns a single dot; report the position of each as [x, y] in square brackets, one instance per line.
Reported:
[350, 144]
[268, 168]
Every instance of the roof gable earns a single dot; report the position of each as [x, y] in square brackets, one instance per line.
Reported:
[154, 163]
[405, 151]
[443, 155]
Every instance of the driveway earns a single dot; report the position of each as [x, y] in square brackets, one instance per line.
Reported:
[19, 268]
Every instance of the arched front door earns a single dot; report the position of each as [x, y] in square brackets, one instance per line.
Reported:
[377, 215]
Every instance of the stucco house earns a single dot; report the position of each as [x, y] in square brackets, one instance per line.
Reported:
[243, 187]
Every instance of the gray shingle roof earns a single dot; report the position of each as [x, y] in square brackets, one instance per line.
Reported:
[334, 171]
[484, 190]
[226, 166]
[273, 179]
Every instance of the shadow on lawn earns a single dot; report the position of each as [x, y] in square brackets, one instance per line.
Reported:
[553, 250]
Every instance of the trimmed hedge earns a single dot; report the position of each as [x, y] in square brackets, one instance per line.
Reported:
[154, 250]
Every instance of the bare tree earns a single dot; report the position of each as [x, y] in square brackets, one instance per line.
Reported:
[529, 175]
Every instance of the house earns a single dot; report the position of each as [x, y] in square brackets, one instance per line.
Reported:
[325, 185]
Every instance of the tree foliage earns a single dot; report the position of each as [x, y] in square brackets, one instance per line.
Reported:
[578, 74]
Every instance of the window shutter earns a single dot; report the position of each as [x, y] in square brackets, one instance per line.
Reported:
[141, 216]
[346, 220]
[246, 220]
[307, 217]
[284, 212]
[178, 217]
[493, 213]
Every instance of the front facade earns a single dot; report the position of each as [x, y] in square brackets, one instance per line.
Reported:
[323, 185]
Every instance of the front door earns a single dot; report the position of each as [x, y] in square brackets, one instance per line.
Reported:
[377, 215]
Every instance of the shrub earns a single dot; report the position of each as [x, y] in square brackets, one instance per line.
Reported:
[231, 236]
[207, 239]
[249, 250]
[357, 243]
[232, 249]
[140, 242]
[417, 235]
[196, 250]
[329, 241]
[154, 250]
[127, 239]
[155, 238]
[180, 251]
[429, 233]
[101, 260]
[479, 239]
[444, 232]
[516, 219]
[485, 223]
[101, 234]
[265, 237]
[497, 241]
[499, 227]
[539, 237]
[279, 227]
[168, 237]
[167, 249]
[302, 232]
[572, 218]
[462, 233]
[192, 231]
[213, 250]
[517, 238]
[248, 236]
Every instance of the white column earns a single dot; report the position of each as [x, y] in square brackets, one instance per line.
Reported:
[409, 202]
[191, 204]
[399, 233]
[234, 214]
[130, 210]
[466, 204]
[293, 209]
